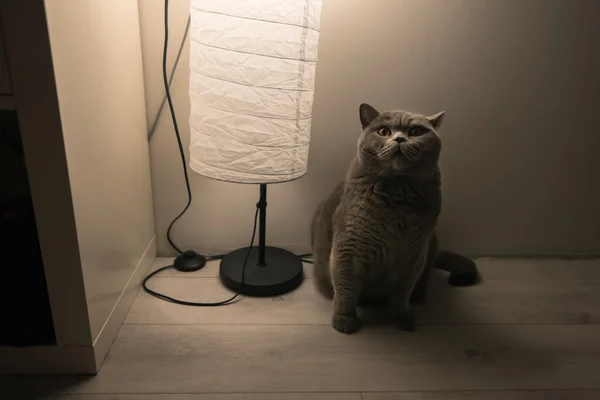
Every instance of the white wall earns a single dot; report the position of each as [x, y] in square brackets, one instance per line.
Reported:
[520, 81]
[96, 52]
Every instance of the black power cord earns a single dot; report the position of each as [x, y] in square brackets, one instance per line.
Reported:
[195, 304]
[152, 129]
[175, 126]
[200, 260]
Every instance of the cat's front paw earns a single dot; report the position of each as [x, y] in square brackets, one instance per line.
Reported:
[406, 321]
[345, 323]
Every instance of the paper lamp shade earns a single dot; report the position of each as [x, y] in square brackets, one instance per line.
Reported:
[252, 79]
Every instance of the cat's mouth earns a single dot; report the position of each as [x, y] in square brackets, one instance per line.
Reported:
[390, 152]
[402, 151]
[411, 153]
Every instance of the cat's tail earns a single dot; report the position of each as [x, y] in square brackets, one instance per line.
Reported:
[463, 271]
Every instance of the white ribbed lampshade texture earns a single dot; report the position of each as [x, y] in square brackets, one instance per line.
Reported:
[252, 80]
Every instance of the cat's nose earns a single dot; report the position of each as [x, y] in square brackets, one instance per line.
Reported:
[399, 139]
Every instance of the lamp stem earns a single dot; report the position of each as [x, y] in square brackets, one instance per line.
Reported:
[262, 226]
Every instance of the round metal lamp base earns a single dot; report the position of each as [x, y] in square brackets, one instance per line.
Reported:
[282, 273]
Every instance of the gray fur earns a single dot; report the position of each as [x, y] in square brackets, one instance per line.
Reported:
[374, 235]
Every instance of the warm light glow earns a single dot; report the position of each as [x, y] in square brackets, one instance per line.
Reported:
[252, 78]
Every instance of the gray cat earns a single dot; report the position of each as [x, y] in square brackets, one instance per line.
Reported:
[374, 235]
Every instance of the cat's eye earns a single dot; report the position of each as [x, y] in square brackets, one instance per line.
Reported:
[384, 131]
[417, 131]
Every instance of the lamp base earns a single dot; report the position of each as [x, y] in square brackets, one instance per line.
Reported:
[282, 273]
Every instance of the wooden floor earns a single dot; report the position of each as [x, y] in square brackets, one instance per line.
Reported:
[530, 330]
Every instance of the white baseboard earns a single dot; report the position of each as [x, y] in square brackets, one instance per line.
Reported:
[111, 327]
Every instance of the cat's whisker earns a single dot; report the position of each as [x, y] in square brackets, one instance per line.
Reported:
[387, 151]
[411, 152]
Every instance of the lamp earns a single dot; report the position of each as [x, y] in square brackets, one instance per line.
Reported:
[252, 75]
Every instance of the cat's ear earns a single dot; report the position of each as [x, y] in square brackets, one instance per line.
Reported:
[367, 114]
[436, 120]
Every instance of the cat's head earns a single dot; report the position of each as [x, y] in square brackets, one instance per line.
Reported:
[398, 142]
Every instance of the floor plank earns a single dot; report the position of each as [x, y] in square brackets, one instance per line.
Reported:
[476, 395]
[473, 395]
[508, 295]
[447, 305]
[547, 301]
[532, 269]
[302, 306]
[247, 396]
[490, 267]
[225, 359]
